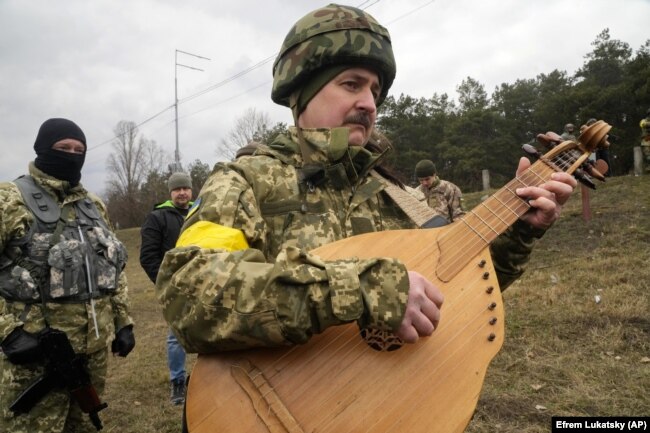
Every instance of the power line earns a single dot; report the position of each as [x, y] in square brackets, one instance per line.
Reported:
[255, 66]
[363, 5]
[196, 95]
[137, 126]
[227, 80]
[227, 99]
[410, 12]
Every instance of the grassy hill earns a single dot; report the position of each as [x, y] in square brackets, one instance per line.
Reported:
[577, 327]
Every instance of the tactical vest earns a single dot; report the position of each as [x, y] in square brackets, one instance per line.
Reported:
[60, 259]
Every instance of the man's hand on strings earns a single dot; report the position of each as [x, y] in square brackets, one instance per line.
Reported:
[546, 200]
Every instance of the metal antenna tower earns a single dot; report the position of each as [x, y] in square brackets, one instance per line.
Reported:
[177, 156]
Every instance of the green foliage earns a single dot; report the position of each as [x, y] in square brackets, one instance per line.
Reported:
[486, 133]
[199, 172]
[154, 189]
[268, 135]
[472, 95]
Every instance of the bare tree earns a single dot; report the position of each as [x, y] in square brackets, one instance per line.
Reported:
[252, 125]
[154, 156]
[134, 160]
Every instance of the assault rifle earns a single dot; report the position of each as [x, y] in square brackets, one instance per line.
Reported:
[63, 369]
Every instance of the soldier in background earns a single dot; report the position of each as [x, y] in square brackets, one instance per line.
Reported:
[159, 234]
[569, 132]
[60, 268]
[442, 196]
[645, 139]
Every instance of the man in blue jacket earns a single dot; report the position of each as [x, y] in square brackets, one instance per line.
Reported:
[159, 234]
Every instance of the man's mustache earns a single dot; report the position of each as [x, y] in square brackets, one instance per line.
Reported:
[360, 118]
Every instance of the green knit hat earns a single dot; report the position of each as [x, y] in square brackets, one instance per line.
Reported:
[179, 180]
[425, 168]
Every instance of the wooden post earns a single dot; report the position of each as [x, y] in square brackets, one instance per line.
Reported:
[638, 161]
[486, 180]
[586, 208]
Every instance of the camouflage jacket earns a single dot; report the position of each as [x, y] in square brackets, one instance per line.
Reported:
[73, 318]
[444, 198]
[645, 128]
[241, 274]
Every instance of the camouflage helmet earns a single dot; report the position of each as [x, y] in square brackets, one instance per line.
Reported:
[329, 36]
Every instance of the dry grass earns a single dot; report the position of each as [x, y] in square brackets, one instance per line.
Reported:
[138, 386]
[564, 354]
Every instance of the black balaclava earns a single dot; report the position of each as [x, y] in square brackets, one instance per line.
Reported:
[56, 163]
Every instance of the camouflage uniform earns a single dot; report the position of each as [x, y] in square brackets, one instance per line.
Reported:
[444, 198]
[241, 274]
[569, 132]
[645, 141]
[54, 413]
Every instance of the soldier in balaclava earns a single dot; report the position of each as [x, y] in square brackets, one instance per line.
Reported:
[61, 277]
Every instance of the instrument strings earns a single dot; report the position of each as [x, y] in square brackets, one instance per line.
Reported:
[470, 235]
[470, 241]
[478, 228]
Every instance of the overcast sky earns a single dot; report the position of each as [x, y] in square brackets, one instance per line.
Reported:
[102, 61]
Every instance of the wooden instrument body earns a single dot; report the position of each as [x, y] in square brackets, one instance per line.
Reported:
[337, 383]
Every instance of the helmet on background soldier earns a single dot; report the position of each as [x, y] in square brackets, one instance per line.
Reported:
[569, 127]
[331, 38]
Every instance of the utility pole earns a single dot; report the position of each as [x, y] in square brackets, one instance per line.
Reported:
[177, 155]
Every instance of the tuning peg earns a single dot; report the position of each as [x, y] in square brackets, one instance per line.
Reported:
[602, 166]
[593, 171]
[550, 139]
[584, 178]
[531, 150]
[546, 141]
[555, 137]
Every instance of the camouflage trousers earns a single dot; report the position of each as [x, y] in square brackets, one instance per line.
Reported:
[55, 413]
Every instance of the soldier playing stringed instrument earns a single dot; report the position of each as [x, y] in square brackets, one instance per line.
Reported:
[242, 274]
